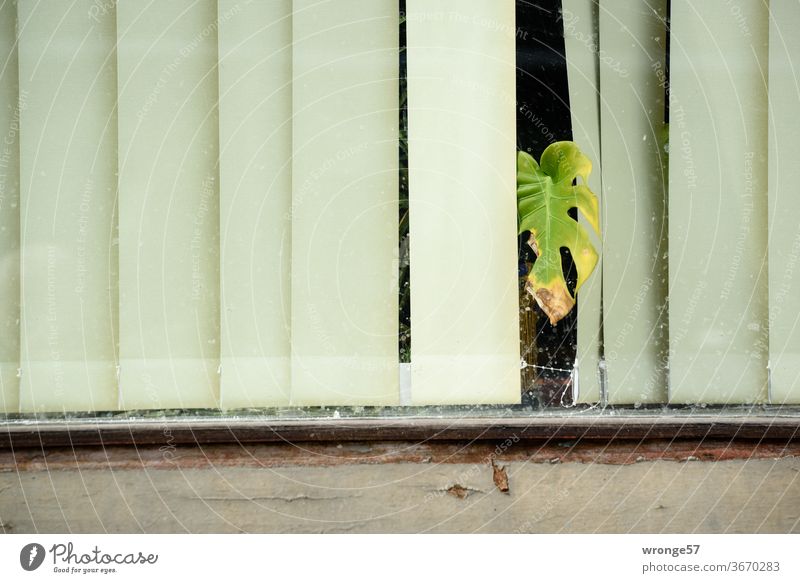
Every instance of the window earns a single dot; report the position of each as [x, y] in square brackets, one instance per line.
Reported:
[224, 205]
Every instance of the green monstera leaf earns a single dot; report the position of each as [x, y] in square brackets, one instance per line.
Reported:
[545, 194]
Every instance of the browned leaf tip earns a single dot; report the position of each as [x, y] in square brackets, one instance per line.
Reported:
[556, 302]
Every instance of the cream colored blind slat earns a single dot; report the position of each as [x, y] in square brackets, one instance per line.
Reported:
[632, 77]
[784, 203]
[9, 209]
[255, 76]
[345, 203]
[68, 165]
[462, 177]
[580, 21]
[717, 203]
[169, 213]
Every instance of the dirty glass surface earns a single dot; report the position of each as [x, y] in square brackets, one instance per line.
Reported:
[227, 209]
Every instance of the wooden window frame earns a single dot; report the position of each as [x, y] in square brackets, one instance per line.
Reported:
[608, 424]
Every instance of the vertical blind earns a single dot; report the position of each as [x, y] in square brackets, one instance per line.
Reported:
[784, 203]
[700, 232]
[579, 19]
[68, 193]
[633, 40]
[168, 202]
[255, 171]
[345, 202]
[718, 203]
[199, 202]
[462, 158]
[9, 210]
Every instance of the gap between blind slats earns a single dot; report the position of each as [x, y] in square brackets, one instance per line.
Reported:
[633, 132]
[580, 21]
[462, 142]
[718, 205]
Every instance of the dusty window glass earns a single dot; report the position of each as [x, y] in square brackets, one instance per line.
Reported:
[408, 206]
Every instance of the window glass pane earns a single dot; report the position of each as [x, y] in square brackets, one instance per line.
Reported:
[408, 206]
